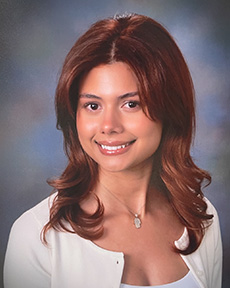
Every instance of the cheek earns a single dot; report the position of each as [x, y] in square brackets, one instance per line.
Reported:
[152, 134]
[154, 129]
[147, 128]
[136, 124]
[85, 128]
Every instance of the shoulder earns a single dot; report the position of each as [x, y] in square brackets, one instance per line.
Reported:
[206, 261]
[27, 259]
[210, 207]
[213, 230]
[36, 216]
[210, 250]
[26, 230]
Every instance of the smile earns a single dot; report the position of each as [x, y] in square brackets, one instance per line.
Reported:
[114, 149]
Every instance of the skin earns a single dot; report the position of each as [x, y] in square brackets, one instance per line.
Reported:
[109, 114]
[117, 134]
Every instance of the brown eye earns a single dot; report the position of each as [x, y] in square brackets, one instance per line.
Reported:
[91, 106]
[132, 104]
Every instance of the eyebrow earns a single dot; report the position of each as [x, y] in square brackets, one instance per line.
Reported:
[92, 96]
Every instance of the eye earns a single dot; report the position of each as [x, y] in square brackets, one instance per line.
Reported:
[91, 106]
[132, 104]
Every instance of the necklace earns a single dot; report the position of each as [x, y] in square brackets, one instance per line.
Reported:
[137, 221]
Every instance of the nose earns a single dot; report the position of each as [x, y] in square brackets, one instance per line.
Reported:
[111, 122]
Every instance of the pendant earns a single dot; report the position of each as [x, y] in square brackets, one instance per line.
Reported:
[137, 221]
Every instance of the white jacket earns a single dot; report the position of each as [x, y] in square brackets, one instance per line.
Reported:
[70, 261]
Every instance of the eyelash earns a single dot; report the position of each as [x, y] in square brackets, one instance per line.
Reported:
[136, 103]
[89, 105]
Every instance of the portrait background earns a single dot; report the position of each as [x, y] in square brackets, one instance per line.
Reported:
[35, 37]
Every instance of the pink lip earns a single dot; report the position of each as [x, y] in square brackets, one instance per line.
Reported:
[114, 148]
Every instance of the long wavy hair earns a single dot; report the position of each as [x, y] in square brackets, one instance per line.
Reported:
[165, 89]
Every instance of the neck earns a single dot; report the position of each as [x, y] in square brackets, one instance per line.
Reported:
[124, 190]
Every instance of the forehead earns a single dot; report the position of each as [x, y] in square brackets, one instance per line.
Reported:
[116, 78]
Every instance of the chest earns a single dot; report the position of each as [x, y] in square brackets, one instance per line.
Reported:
[152, 263]
[149, 255]
[77, 262]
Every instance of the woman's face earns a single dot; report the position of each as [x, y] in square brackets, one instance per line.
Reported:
[112, 127]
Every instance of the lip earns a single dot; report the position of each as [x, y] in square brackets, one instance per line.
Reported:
[114, 147]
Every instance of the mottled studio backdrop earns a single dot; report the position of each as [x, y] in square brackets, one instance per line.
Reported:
[34, 39]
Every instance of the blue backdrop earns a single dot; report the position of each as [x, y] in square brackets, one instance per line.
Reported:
[35, 36]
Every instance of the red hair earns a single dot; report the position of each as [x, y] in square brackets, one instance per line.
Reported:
[166, 93]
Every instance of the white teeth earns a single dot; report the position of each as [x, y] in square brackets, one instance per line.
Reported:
[113, 147]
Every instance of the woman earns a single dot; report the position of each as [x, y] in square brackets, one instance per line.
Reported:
[128, 209]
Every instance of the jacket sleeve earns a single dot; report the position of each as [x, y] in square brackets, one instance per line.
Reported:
[206, 262]
[27, 261]
[218, 252]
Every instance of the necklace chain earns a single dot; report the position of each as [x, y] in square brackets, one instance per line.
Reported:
[137, 220]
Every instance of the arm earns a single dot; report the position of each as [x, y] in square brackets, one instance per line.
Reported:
[218, 256]
[27, 261]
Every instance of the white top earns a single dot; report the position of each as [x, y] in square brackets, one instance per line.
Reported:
[187, 281]
[73, 262]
